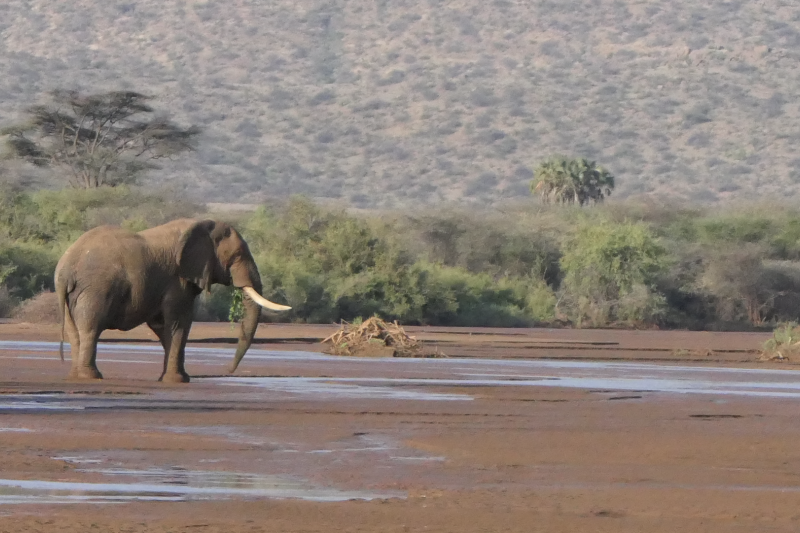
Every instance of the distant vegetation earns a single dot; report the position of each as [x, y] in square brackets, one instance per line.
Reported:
[619, 264]
[415, 102]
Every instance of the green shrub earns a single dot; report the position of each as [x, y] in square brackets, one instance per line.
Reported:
[785, 242]
[27, 268]
[744, 229]
[610, 273]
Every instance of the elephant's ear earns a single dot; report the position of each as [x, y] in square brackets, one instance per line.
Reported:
[197, 255]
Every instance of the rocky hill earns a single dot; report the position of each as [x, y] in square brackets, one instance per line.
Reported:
[408, 102]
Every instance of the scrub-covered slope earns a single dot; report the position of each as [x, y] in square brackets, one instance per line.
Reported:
[408, 101]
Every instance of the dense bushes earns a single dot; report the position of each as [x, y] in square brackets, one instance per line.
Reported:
[624, 264]
[331, 266]
[619, 264]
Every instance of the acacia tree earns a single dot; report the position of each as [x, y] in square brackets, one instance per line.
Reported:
[568, 181]
[102, 139]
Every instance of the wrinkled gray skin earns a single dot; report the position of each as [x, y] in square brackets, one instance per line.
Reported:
[112, 278]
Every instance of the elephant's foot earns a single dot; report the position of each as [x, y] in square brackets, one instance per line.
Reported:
[85, 372]
[174, 377]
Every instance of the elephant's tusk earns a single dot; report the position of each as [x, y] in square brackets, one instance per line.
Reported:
[263, 302]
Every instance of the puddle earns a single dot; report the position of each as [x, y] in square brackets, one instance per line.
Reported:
[433, 458]
[171, 400]
[77, 460]
[361, 443]
[229, 433]
[45, 404]
[175, 485]
[342, 388]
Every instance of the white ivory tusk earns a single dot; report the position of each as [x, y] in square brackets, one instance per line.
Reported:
[263, 302]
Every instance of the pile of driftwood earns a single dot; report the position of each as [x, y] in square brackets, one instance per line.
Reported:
[375, 338]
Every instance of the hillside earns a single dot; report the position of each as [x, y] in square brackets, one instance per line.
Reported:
[403, 102]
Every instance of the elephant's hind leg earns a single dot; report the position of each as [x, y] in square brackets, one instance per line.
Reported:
[74, 339]
[85, 365]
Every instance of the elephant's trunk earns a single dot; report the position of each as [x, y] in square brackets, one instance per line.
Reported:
[244, 275]
[252, 311]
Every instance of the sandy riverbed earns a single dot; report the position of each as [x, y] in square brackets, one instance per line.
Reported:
[519, 430]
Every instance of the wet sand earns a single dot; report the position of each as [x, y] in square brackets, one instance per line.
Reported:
[519, 430]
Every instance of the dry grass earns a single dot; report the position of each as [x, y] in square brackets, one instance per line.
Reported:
[375, 337]
[41, 309]
[784, 344]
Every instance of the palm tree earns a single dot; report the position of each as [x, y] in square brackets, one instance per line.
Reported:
[568, 181]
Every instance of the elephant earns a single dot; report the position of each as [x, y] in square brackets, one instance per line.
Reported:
[113, 278]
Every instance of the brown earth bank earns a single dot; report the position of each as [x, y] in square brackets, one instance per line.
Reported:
[491, 458]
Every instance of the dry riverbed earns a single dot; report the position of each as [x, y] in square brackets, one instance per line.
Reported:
[517, 430]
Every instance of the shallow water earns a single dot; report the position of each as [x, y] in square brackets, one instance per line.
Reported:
[581, 375]
[48, 403]
[175, 485]
[411, 379]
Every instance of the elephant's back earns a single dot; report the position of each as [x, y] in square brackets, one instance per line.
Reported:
[103, 246]
[104, 269]
[104, 235]
[102, 253]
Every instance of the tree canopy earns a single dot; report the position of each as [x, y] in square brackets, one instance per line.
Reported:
[567, 181]
[102, 139]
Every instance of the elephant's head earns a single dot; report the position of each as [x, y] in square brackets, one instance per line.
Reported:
[214, 252]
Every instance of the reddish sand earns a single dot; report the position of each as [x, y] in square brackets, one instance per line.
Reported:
[513, 459]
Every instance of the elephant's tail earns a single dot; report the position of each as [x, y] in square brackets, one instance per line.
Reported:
[62, 307]
[63, 311]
